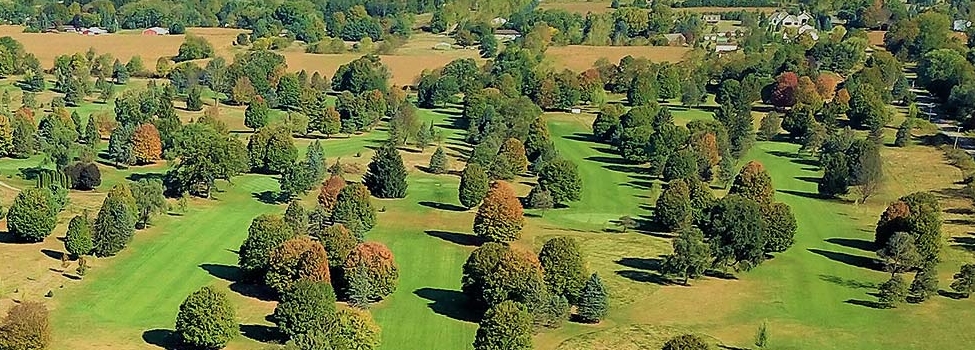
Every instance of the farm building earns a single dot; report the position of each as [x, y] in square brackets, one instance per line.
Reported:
[507, 34]
[155, 31]
[92, 31]
[712, 18]
[676, 39]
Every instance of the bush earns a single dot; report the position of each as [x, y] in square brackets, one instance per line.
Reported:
[686, 342]
[206, 319]
[31, 217]
[26, 327]
[327, 46]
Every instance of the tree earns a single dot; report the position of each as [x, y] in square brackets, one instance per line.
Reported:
[866, 168]
[204, 155]
[386, 177]
[355, 329]
[892, 292]
[194, 98]
[681, 165]
[511, 160]
[31, 217]
[702, 199]
[354, 209]
[26, 327]
[265, 233]
[507, 326]
[686, 342]
[561, 178]
[691, 257]
[673, 209]
[500, 218]
[372, 266]
[474, 184]
[540, 198]
[762, 336]
[964, 282]
[296, 180]
[78, 240]
[899, 254]
[206, 319]
[338, 242]
[593, 300]
[297, 259]
[194, 48]
[904, 133]
[272, 150]
[329, 193]
[780, 227]
[753, 182]
[925, 283]
[115, 223]
[495, 272]
[149, 200]
[736, 232]
[643, 90]
[257, 114]
[438, 161]
[363, 74]
[565, 272]
[607, 122]
[146, 145]
[785, 90]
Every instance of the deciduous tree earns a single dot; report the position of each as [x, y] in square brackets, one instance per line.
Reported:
[507, 326]
[299, 258]
[354, 209]
[673, 209]
[31, 217]
[736, 231]
[565, 272]
[753, 182]
[206, 319]
[265, 233]
[691, 257]
[375, 264]
[26, 327]
[561, 177]
[501, 217]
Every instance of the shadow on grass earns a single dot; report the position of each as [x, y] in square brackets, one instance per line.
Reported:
[53, 254]
[849, 283]
[456, 237]
[952, 295]
[261, 333]
[811, 195]
[608, 160]
[644, 277]
[162, 338]
[652, 264]
[644, 270]
[225, 272]
[450, 303]
[268, 197]
[865, 303]
[581, 137]
[860, 244]
[809, 179]
[850, 259]
[150, 176]
[442, 206]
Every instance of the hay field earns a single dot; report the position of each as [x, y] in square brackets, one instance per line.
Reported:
[580, 57]
[601, 6]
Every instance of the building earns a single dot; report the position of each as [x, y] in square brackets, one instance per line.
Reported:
[960, 25]
[784, 19]
[712, 19]
[722, 48]
[676, 39]
[92, 31]
[507, 34]
[155, 31]
[808, 29]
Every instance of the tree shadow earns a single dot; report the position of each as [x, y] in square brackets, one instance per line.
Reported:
[225, 272]
[450, 303]
[136, 177]
[811, 195]
[644, 270]
[960, 211]
[53, 254]
[257, 291]
[651, 264]
[965, 243]
[608, 160]
[7, 237]
[849, 259]
[951, 295]
[644, 277]
[442, 206]
[581, 137]
[261, 333]
[865, 303]
[860, 244]
[162, 338]
[849, 283]
[627, 169]
[808, 179]
[456, 238]
[268, 197]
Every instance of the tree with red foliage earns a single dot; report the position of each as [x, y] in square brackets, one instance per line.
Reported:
[784, 93]
[295, 259]
[501, 217]
[146, 144]
[330, 192]
[370, 272]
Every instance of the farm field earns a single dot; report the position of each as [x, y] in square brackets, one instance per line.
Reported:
[601, 6]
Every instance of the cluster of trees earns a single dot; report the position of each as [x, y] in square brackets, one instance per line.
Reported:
[908, 236]
[520, 290]
[309, 259]
[739, 230]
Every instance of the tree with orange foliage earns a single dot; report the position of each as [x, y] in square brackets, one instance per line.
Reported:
[146, 144]
[784, 93]
[590, 83]
[705, 147]
[843, 99]
[295, 259]
[807, 94]
[501, 217]
[826, 85]
[370, 273]
[329, 193]
[754, 182]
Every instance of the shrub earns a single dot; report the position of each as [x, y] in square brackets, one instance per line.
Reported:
[26, 327]
[206, 319]
[686, 342]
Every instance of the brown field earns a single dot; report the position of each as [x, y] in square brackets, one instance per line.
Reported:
[578, 57]
[604, 6]
[725, 9]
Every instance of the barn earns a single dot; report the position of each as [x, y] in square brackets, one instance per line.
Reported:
[155, 31]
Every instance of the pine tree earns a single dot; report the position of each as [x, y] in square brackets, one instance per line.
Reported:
[925, 283]
[78, 241]
[354, 209]
[474, 185]
[91, 135]
[893, 292]
[904, 133]
[297, 218]
[762, 336]
[194, 99]
[593, 300]
[315, 160]
[386, 177]
[438, 161]
[500, 218]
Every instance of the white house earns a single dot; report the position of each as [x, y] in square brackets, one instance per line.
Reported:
[786, 20]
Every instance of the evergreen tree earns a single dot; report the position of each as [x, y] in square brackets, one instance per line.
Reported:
[500, 218]
[686, 341]
[91, 136]
[354, 209]
[593, 300]
[386, 177]
[925, 283]
[964, 282]
[207, 319]
[540, 198]
[507, 326]
[297, 218]
[904, 133]
[78, 240]
[315, 160]
[194, 98]
[32, 216]
[115, 223]
[474, 185]
[296, 180]
[438, 161]
[892, 292]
